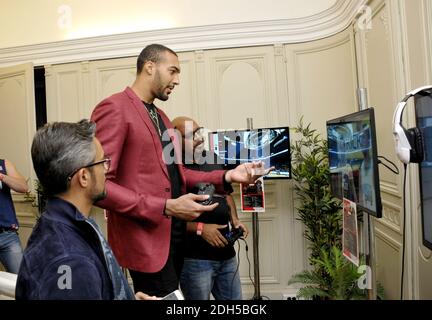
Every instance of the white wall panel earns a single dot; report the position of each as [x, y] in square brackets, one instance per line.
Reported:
[322, 80]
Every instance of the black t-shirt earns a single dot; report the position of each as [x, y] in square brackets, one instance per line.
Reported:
[178, 227]
[196, 247]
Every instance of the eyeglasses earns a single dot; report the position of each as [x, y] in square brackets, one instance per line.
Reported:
[106, 163]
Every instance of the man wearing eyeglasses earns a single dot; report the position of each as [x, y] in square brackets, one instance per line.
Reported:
[210, 265]
[147, 192]
[66, 256]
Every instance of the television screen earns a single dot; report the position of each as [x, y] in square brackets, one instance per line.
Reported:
[353, 160]
[270, 145]
[423, 106]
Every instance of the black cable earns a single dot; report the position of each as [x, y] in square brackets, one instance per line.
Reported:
[250, 277]
[383, 157]
[249, 263]
[237, 268]
[403, 234]
[395, 170]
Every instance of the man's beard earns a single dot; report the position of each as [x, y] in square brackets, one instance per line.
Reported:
[99, 196]
[160, 89]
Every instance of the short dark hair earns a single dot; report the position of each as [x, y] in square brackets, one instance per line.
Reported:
[58, 149]
[151, 53]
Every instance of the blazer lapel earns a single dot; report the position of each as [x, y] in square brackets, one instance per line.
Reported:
[139, 106]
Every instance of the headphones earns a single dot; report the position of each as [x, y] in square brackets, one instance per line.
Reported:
[408, 142]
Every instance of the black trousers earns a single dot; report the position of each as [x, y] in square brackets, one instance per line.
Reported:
[166, 280]
[162, 282]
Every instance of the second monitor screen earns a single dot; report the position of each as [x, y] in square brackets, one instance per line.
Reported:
[270, 145]
[353, 160]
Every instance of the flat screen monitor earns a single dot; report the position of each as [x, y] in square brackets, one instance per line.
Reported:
[270, 145]
[353, 160]
[423, 107]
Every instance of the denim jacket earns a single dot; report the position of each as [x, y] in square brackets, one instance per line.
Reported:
[68, 258]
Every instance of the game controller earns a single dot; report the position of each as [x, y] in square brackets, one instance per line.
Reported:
[233, 235]
[205, 189]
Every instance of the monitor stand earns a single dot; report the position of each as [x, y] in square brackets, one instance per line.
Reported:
[255, 231]
[366, 232]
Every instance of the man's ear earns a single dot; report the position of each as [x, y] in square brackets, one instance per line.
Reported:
[149, 67]
[83, 178]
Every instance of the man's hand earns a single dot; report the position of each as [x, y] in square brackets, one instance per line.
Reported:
[186, 207]
[142, 296]
[14, 179]
[247, 172]
[212, 235]
[239, 224]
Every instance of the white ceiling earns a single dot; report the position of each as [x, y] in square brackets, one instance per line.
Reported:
[27, 22]
[47, 32]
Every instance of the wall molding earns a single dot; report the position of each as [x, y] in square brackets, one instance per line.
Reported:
[427, 15]
[390, 241]
[390, 188]
[314, 27]
[391, 216]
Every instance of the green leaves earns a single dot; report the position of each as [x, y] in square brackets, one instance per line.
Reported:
[37, 200]
[318, 210]
[336, 278]
[332, 276]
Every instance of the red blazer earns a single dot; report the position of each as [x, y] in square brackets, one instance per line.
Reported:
[138, 183]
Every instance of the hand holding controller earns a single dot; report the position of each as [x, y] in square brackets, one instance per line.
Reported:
[205, 189]
[234, 234]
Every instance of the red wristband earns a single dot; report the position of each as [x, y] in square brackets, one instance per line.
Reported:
[200, 227]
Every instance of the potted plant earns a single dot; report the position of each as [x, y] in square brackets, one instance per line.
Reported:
[331, 276]
[39, 199]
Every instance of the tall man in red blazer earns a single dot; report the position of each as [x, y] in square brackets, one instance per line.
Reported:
[146, 199]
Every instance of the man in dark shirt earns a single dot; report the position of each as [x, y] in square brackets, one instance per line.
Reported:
[210, 265]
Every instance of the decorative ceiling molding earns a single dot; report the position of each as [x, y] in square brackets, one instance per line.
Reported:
[318, 26]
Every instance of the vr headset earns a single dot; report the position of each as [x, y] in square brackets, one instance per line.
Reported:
[408, 142]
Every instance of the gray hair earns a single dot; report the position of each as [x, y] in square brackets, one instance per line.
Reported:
[60, 148]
